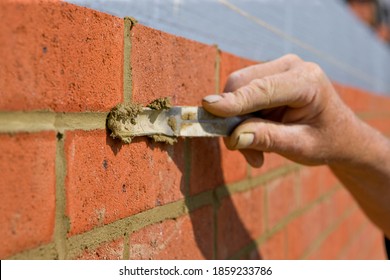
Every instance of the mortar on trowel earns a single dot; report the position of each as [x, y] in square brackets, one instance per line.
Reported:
[164, 123]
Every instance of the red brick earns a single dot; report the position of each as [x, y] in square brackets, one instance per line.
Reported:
[371, 246]
[271, 161]
[60, 57]
[340, 203]
[329, 179]
[240, 221]
[27, 208]
[355, 98]
[377, 250]
[363, 101]
[233, 164]
[305, 229]
[281, 196]
[339, 238]
[354, 250]
[275, 247]
[206, 168]
[315, 182]
[311, 184]
[230, 63]
[362, 246]
[107, 181]
[380, 103]
[187, 237]
[108, 251]
[167, 65]
[382, 124]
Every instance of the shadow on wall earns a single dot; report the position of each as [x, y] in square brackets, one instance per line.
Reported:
[216, 228]
[230, 234]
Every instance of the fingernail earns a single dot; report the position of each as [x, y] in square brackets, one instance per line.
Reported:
[244, 140]
[212, 98]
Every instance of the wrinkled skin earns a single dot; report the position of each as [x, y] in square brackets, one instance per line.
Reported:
[299, 115]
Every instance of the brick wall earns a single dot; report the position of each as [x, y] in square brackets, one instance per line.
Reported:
[69, 191]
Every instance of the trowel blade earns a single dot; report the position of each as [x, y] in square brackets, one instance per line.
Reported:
[182, 121]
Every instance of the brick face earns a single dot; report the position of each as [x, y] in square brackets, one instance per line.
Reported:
[315, 182]
[323, 216]
[188, 237]
[230, 63]
[271, 161]
[108, 251]
[338, 240]
[282, 199]
[240, 221]
[167, 65]
[107, 181]
[275, 247]
[59, 57]
[27, 164]
[206, 171]
[381, 124]
[233, 165]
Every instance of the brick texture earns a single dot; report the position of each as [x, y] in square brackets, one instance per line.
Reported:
[240, 221]
[333, 245]
[166, 65]
[107, 181]
[233, 165]
[206, 172]
[315, 182]
[230, 63]
[282, 199]
[61, 57]
[275, 247]
[271, 162]
[108, 251]
[27, 164]
[188, 237]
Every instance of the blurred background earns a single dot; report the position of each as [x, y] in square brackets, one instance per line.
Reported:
[374, 13]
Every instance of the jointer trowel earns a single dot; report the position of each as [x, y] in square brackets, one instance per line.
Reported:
[164, 123]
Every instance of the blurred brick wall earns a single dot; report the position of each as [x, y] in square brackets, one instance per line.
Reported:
[374, 14]
[69, 191]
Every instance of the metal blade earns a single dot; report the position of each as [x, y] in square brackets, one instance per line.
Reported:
[182, 121]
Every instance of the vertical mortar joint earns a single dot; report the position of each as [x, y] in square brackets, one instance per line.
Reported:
[62, 222]
[129, 23]
[217, 69]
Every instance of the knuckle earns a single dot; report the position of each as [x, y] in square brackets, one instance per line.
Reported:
[290, 61]
[242, 100]
[317, 79]
[265, 87]
[292, 58]
[266, 141]
[233, 82]
[313, 69]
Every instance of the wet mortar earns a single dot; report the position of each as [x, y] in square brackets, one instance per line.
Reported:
[123, 116]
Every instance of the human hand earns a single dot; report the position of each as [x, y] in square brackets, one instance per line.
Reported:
[301, 117]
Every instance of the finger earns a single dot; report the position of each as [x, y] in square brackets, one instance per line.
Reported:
[283, 89]
[291, 141]
[253, 157]
[244, 76]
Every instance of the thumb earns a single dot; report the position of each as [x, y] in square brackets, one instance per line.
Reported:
[290, 140]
